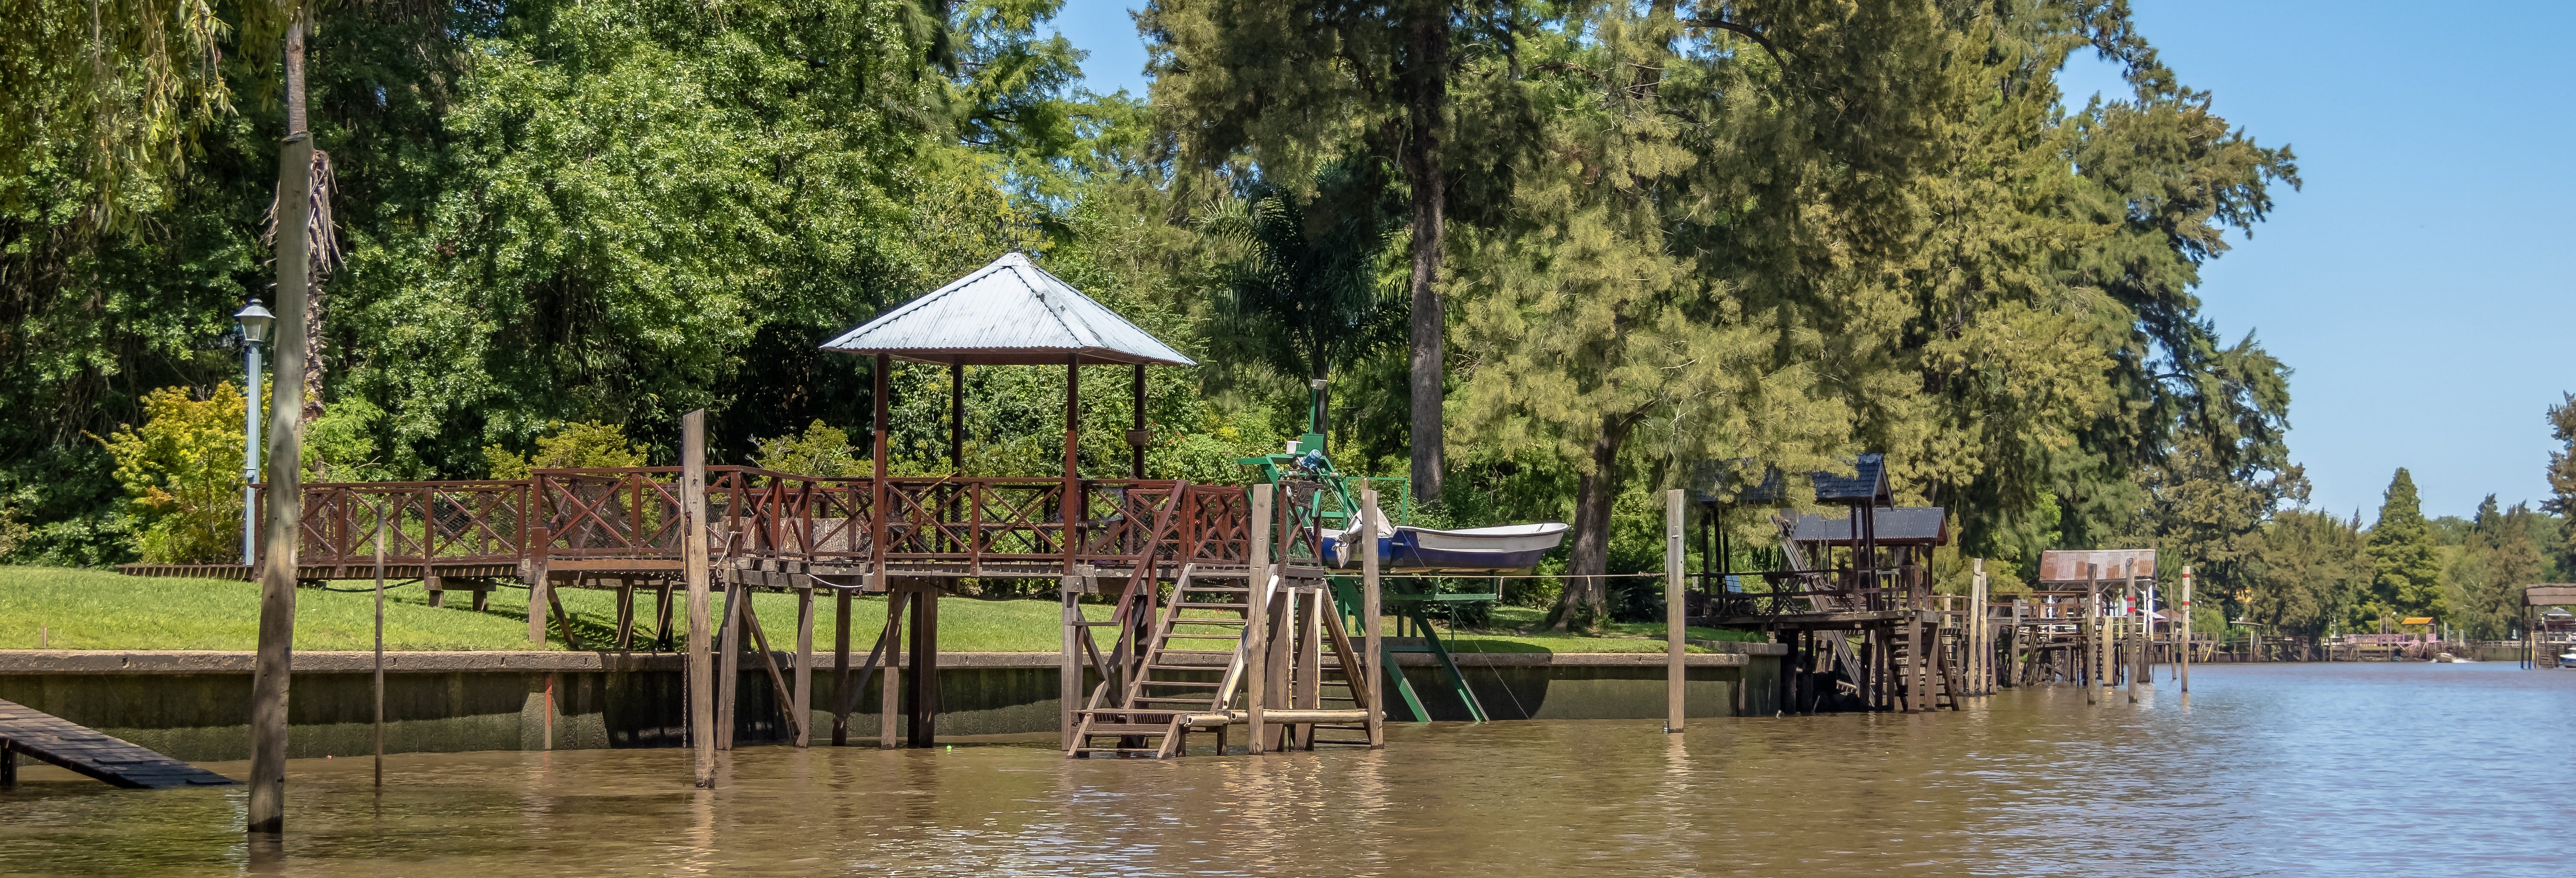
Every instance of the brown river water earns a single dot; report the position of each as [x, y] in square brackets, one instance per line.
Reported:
[2404, 769]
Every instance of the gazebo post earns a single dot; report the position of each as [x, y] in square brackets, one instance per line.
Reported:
[1136, 438]
[957, 418]
[877, 540]
[1072, 447]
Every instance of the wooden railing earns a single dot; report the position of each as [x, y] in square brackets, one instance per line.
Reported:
[963, 523]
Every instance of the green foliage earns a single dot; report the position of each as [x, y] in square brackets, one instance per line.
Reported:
[1311, 292]
[2406, 568]
[182, 472]
[2562, 477]
[569, 446]
[2306, 573]
[822, 450]
[2482, 582]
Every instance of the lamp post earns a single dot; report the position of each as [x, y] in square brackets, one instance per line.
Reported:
[255, 323]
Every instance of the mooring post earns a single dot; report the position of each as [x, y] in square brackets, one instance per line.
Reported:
[2086, 652]
[729, 663]
[890, 688]
[1068, 669]
[1676, 635]
[693, 569]
[1256, 640]
[921, 721]
[804, 708]
[1980, 645]
[2185, 658]
[285, 502]
[842, 696]
[380, 644]
[1372, 619]
[2138, 638]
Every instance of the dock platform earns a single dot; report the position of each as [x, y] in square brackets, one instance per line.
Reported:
[84, 750]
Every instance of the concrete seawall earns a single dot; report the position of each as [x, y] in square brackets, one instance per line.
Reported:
[195, 705]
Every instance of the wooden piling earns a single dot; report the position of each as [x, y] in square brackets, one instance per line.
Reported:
[2139, 627]
[729, 663]
[842, 694]
[1256, 641]
[1675, 615]
[890, 692]
[693, 570]
[2185, 667]
[1980, 632]
[1373, 619]
[921, 720]
[380, 646]
[804, 708]
[266, 814]
[2083, 672]
[1068, 670]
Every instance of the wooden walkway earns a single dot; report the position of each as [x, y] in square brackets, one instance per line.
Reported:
[48, 737]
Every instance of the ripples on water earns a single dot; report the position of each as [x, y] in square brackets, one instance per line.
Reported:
[2395, 768]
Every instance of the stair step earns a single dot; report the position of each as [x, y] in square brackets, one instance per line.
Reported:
[1218, 589]
[1125, 729]
[1186, 683]
[1167, 700]
[1207, 605]
[1173, 635]
[1086, 751]
[1196, 652]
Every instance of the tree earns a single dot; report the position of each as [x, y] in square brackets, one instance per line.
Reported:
[2562, 475]
[2306, 572]
[2406, 566]
[1282, 83]
[1305, 297]
[2482, 584]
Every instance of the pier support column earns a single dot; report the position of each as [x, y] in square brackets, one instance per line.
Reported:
[842, 697]
[804, 706]
[1068, 671]
[693, 566]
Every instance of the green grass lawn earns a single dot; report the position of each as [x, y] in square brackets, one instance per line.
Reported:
[89, 609]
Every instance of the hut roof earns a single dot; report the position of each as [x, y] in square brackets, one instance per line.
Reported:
[1009, 312]
[1906, 526]
[1868, 482]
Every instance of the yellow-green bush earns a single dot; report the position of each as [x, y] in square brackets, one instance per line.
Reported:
[182, 472]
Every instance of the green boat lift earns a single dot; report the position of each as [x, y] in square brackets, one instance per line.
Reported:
[1319, 496]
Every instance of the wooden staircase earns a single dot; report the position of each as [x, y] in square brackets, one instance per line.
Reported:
[1192, 672]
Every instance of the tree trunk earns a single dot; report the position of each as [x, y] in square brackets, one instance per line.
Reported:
[1587, 595]
[1426, 88]
[270, 670]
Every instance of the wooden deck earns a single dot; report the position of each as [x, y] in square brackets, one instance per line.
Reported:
[81, 749]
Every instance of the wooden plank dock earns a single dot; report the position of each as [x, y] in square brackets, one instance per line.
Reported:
[81, 749]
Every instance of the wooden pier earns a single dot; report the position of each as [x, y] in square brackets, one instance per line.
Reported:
[51, 739]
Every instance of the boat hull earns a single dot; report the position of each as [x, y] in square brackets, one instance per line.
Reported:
[1507, 549]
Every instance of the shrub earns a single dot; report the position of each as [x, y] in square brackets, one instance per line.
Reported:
[586, 445]
[823, 450]
[182, 475]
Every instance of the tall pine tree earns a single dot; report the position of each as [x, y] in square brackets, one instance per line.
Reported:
[2406, 568]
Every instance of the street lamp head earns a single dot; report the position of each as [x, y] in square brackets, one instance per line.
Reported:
[255, 323]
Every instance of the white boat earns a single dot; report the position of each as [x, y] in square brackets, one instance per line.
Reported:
[1478, 549]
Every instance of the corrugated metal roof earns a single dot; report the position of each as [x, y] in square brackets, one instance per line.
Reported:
[1009, 312]
[1906, 526]
[1868, 481]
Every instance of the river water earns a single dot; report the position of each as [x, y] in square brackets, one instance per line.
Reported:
[2412, 769]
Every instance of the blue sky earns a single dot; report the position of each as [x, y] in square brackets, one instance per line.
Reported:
[2409, 282]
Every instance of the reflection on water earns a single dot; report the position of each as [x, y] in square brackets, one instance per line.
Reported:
[2412, 769]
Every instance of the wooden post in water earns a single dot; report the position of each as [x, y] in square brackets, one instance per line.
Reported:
[693, 569]
[2185, 667]
[842, 697]
[804, 707]
[2139, 628]
[1675, 634]
[1256, 641]
[285, 501]
[2084, 671]
[380, 641]
[1372, 619]
[1068, 670]
[890, 697]
[729, 647]
[1980, 650]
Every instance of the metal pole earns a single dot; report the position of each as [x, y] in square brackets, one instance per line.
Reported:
[1675, 635]
[693, 564]
[250, 457]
